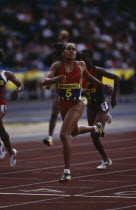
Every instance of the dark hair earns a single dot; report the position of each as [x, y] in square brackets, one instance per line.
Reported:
[57, 54]
[89, 52]
[59, 48]
[2, 55]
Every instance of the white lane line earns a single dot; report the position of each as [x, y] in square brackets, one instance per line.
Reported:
[104, 196]
[31, 202]
[79, 145]
[126, 193]
[107, 189]
[42, 190]
[40, 158]
[61, 166]
[125, 207]
[36, 194]
[96, 180]
[78, 177]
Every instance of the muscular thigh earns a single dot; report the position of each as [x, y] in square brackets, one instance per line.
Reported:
[71, 116]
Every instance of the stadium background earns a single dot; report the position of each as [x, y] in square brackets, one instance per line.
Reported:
[28, 28]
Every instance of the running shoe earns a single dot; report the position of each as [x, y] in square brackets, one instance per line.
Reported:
[48, 141]
[109, 118]
[105, 164]
[2, 150]
[65, 177]
[99, 129]
[12, 158]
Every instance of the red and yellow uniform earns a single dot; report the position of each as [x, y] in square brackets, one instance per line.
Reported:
[70, 91]
[3, 81]
[94, 93]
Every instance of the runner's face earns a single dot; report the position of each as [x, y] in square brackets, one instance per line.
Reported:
[70, 51]
[85, 57]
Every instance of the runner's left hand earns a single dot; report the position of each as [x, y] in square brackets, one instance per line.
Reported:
[113, 101]
[13, 95]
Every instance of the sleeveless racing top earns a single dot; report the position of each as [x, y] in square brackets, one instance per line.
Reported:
[94, 93]
[71, 89]
[3, 81]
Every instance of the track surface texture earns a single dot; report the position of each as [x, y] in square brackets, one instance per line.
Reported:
[33, 182]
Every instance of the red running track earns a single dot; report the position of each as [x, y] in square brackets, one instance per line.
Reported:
[33, 183]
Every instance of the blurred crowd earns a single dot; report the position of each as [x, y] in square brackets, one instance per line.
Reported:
[29, 28]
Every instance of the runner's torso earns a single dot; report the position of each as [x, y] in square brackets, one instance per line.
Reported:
[3, 81]
[94, 93]
[71, 89]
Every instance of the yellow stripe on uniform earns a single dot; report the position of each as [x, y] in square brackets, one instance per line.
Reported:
[69, 86]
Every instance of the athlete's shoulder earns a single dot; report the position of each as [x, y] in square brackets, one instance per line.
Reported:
[56, 63]
[81, 63]
[8, 73]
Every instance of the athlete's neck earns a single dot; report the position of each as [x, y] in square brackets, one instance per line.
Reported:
[68, 62]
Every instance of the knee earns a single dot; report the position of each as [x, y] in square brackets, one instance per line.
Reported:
[75, 133]
[63, 135]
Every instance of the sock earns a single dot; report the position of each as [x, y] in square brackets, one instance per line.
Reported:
[50, 137]
[67, 171]
[96, 128]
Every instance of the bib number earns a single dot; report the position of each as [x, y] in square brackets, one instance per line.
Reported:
[104, 106]
[68, 93]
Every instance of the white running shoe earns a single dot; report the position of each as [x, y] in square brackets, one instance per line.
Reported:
[109, 118]
[2, 150]
[12, 158]
[105, 164]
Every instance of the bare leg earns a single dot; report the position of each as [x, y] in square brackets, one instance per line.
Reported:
[70, 120]
[5, 136]
[93, 118]
[54, 115]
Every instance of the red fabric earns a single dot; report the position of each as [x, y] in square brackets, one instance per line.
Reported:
[3, 102]
[86, 83]
[72, 77]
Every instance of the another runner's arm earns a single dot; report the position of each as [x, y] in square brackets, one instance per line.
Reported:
[116, 79]
[92, 79]
[51, 78]
[10, 76]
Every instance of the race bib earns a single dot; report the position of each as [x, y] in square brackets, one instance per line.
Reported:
[69, 92]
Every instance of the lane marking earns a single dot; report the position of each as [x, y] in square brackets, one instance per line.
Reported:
[31, 202]
[35, 194]
[127, 193]
[101, 181]
[42, 190]
[104, 196]
[78, 177]
[125, 207]
[62, 166]
[107, 189]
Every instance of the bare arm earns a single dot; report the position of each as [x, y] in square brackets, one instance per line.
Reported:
[116, 83]
[51, 78]
[10, 76]
[93, 80]
[90, 78]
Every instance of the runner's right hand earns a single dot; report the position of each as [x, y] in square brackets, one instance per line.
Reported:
[60, 79]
